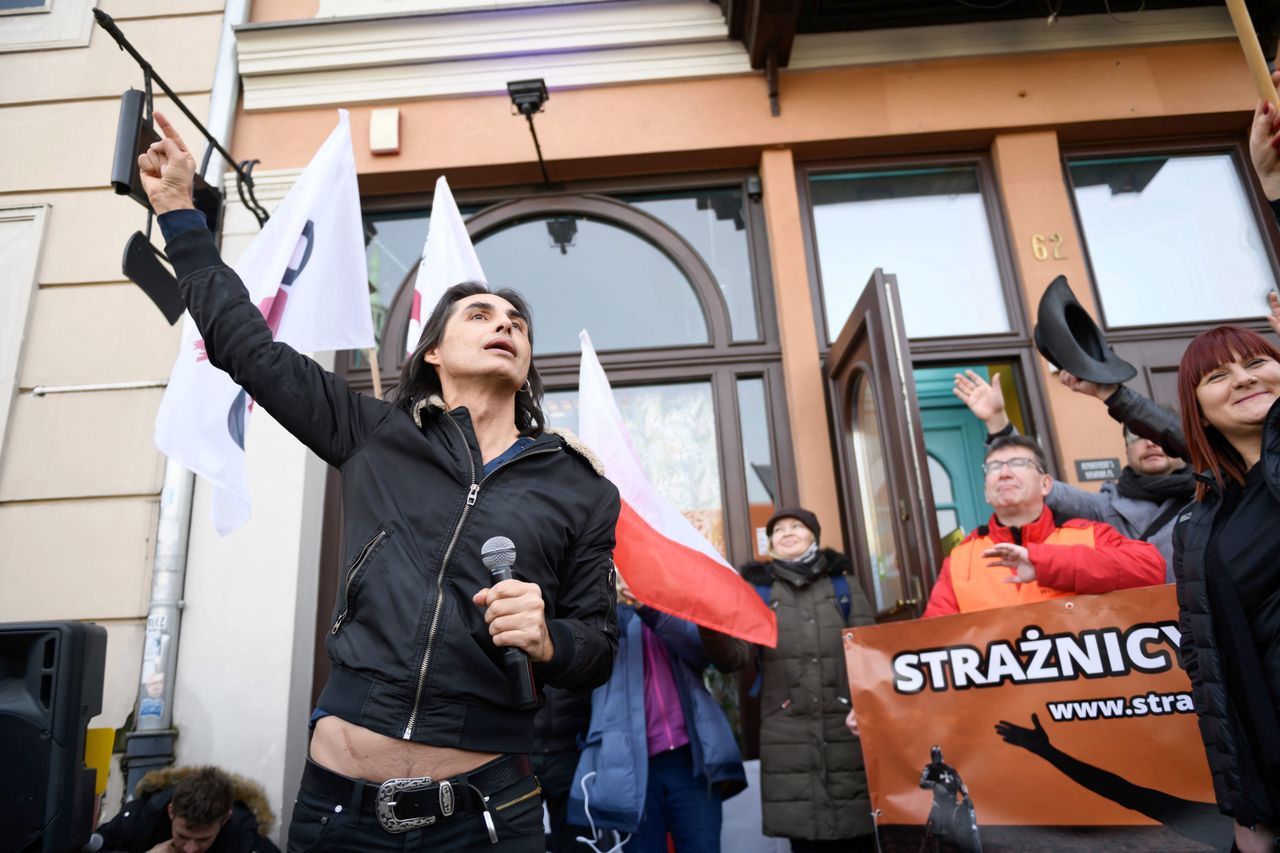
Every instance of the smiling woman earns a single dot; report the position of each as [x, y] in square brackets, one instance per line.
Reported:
[1226, 554]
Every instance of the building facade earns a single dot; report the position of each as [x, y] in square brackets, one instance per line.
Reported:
[83, 360]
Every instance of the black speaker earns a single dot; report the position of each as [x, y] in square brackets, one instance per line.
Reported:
[50, 686]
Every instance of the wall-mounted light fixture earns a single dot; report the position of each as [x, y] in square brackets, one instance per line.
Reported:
[562, 230]
[527, 98]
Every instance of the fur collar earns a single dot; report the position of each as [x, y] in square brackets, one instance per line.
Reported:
[570, 441]
[577, 446]
[434, 401]
[758, 573]
[246, 792]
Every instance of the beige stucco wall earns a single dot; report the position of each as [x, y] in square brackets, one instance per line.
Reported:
[79, 474]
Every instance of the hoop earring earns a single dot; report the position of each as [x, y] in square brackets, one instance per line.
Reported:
[526, 388]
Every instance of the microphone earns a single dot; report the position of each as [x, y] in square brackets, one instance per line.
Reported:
[499, 556]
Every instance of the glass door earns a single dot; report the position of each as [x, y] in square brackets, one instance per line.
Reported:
[884, 471]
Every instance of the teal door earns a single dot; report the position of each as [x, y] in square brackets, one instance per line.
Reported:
[955, 442]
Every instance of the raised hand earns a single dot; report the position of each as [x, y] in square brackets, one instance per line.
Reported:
[1033, 739]
[167, 170]
[1014, 557]
[984, 399]
[1273, 317]
[1264, 145]
[1084, 386]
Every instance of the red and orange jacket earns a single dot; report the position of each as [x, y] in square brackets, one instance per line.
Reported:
[1072, 558]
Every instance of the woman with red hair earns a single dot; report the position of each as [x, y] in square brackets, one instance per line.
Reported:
[1227, 563]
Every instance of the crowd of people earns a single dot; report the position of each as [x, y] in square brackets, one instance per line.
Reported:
[415, 743]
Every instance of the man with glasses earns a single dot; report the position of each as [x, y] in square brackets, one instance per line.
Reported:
[1025, 554]
[1154, 485]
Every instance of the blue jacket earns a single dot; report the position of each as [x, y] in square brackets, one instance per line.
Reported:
[617, 748]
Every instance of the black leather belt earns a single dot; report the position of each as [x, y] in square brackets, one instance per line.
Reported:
[404, 804]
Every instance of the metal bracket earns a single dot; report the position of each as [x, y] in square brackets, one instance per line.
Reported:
[149, 75]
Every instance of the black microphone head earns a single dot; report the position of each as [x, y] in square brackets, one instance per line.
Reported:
[497, 553]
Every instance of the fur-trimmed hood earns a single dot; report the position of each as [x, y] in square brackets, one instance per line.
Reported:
[759, 573]
[569, 441]
[246, 792]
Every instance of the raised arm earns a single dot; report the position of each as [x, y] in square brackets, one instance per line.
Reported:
[680, 636]
[1068, 501]
[1264, 149]
[985, 399]
[316, 406]
[1142, 416]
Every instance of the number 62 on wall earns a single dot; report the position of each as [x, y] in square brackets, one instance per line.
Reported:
[1040, 247]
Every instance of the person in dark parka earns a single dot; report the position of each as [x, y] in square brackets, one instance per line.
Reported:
[812, 780]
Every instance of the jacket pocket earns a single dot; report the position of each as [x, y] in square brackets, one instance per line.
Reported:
[356, 573]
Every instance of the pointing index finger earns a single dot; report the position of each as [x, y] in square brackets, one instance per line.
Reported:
[169, 131]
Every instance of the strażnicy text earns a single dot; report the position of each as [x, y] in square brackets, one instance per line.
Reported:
[1036, 657]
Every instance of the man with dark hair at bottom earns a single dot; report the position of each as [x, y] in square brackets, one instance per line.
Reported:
[192, 810]
[1025, 554]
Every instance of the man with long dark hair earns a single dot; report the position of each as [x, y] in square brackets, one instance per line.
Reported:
[417, 742]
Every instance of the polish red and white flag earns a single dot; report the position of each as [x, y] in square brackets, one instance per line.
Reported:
[448, 258]
[666, 562]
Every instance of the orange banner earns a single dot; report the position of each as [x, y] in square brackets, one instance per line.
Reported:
[1063, 725]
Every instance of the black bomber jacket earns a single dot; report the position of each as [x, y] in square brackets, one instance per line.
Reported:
[412, 656]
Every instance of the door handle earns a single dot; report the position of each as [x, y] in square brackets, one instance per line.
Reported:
[902, 605]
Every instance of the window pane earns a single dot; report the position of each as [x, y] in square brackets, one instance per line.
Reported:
[673, 429]
[32, 5]
[393, 246]
[757, 459]
[942, 492]
[1172, 239]
[714, 223]
[583, 273]
[947, 521]
[875, 502]
[928, 227]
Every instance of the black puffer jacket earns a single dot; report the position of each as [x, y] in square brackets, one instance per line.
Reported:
[144, 822]
[562, 722]
[1149, 420]
[412, 657]
[1236, 775]
[812, 781]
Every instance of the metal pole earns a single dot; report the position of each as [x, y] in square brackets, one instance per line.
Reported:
[44, 390]
[151, 745]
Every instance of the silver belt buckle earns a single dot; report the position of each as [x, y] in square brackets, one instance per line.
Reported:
[386, 804]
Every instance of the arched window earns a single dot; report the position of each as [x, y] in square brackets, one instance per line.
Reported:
[588, 262]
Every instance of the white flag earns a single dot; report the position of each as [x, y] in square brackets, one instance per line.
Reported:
[306, 272]
[448, 258]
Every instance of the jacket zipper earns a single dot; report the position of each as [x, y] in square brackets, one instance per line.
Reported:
[360, 560]
[472, 493]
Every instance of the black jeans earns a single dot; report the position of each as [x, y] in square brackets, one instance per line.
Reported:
[322, 825]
